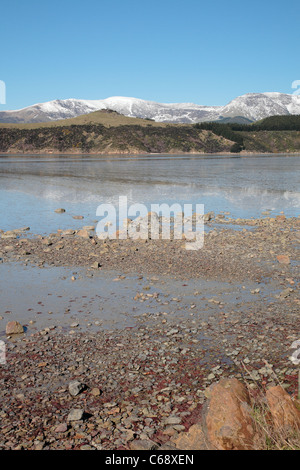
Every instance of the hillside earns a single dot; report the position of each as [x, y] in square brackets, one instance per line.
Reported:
[106, 131]
[275, 134]
[105, 117]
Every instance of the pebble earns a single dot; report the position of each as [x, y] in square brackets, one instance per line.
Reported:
[75, 415]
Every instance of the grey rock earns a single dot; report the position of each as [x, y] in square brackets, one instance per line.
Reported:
[76, 387]
[75, 415]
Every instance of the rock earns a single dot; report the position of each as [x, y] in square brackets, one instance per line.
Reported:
[283, 259]
[280, 218]
[76, 387]
[75, 415]
[69, 231]
[173, 420]
[20, 230]
[63, 427]
[143, 444]
[9, 234]
[14, 328]
[228, 419]
[83, 233]
[60, 210]
[96, 392]
[78, 217]
[96, 265]
[194, 439]
[209, 216]
[283, 410]
[286, 293]
[174, 331]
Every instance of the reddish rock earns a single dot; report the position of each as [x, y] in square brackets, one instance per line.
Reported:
[194, 439]
[283, 410]
[283, 259]
[14, 328]
[63, 427]
[228, 419]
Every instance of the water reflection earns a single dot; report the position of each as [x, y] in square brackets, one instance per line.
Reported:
[32, 188]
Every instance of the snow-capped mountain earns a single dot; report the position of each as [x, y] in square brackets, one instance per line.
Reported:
[252, 106]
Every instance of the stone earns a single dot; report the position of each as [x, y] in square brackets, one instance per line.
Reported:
[283, 259]
[283, 410]
[75, 415]
[69, 231]
[228, 419]
[173, 420]
[76, 387]
[194, 439]
[60, 210]
[143, 444]
[96, 392]
[83, 234]
[9, 234]
[14, 328]
[63, 427]
[96, 265]
[286, 293]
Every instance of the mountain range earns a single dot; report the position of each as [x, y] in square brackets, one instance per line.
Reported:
[246, 108]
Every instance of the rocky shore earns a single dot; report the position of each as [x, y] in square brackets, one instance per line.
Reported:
[147, 386]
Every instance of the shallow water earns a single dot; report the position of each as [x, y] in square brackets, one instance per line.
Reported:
[32, 187]
[105, 300]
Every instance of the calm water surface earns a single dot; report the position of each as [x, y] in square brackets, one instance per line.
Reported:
[31, 188]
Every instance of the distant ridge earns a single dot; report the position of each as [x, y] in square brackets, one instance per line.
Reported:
[243, 109]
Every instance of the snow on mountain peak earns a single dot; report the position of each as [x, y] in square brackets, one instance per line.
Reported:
[252, 106]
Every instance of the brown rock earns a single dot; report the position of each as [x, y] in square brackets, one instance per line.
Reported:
[283, 410]
[83, 233]
[194, 439]
[14, 328]
[96, 392]
[283, 259]
[280, 218]
[228, 419]
[143, 444]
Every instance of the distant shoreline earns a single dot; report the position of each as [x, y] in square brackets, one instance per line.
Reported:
[138, 154]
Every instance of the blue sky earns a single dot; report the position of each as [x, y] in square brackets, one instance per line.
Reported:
[166, 50]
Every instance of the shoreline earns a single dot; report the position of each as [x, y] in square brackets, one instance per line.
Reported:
[228, 310]
[132, 154]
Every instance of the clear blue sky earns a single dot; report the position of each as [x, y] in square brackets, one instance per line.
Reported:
[161, 50]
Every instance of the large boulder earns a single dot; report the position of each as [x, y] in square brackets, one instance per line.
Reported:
[283, 410]
[228, 419]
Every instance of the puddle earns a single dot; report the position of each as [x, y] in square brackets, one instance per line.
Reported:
[45, 297]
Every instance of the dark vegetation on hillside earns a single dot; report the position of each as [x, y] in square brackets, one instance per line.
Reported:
[94, 137]
[274, 134]
[232, 131]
